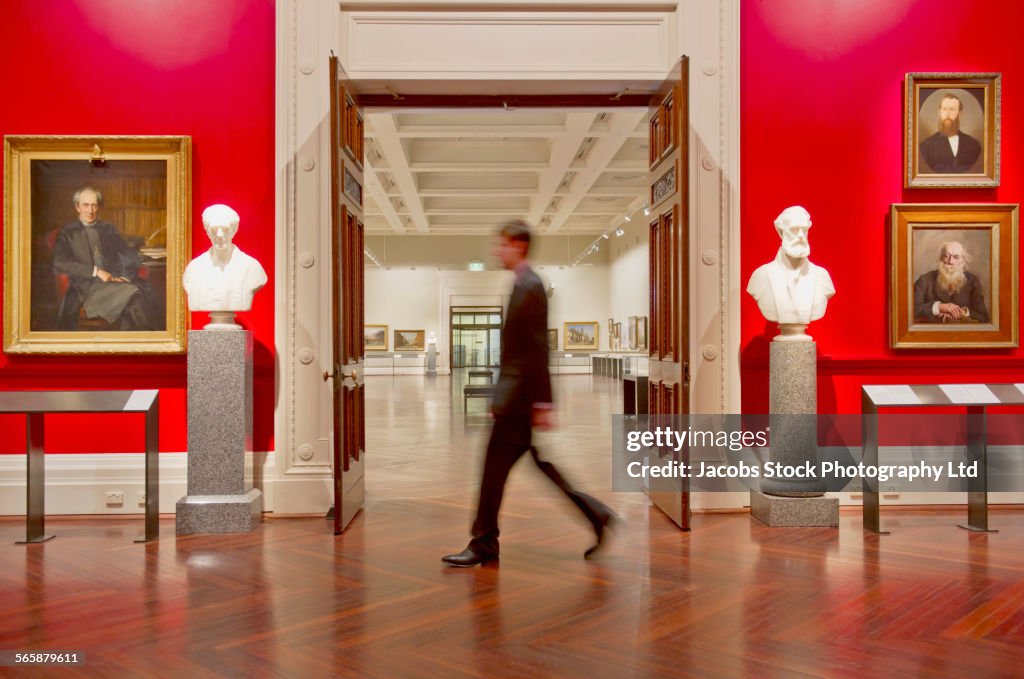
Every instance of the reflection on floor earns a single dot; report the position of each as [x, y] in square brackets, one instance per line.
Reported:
[731, 599]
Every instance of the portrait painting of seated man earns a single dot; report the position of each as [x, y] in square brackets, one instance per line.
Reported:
[950, 293]
[103, 273]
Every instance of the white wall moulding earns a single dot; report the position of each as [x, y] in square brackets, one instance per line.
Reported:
[77, 484]
[540, 45]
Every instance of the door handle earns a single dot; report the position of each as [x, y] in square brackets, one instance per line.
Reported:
[331, 375]
[352, 375]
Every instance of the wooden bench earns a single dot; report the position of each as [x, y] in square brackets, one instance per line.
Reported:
[476, 391]
[480, 373]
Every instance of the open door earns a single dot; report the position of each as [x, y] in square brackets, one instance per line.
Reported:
[669, 346]
[349, 461]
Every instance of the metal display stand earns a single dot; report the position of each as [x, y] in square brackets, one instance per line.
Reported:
[975, 401]
[36, 404]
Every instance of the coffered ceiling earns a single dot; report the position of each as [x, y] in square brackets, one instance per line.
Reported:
[463, 172]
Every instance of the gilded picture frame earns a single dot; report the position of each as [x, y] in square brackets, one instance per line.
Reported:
[410, 340]
[952, 129]
[375, 337]
[126, 199]
[579, 335]
[954, 276]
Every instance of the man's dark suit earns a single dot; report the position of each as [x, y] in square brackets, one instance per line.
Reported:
[72, 255]
[926, 293]
[937, 153]
[524, 381]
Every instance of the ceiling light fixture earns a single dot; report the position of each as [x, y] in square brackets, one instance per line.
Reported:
[620, 232]
[604, 235]
[628, 218]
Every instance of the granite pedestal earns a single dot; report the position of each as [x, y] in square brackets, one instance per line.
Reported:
[793, 407]
[778, 511]
[220, 498]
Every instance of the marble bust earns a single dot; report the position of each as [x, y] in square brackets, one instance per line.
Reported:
[223, 279]
[790, 289]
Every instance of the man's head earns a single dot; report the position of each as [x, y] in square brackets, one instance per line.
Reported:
[952, 263]
[221, 224]
[87, 204]
[950, 110]
[512, 244]
[792, 225]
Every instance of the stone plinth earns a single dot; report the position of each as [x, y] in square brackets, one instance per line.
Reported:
[793, 407]
[776, 511]
[220, 499]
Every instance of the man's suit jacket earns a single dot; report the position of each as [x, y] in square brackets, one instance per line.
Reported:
[937, 153]
[524, 378]
[73, 256]
[926, 293]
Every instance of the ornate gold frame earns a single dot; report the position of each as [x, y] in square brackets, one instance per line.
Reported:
[366, 347]
[422, 346]
[19, 151]
[566, 346]
[999, 224]
[990, 87]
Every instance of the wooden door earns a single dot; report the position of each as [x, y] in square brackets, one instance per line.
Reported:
[346, 119]
[669, 332]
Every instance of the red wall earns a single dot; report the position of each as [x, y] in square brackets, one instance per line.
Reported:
[191, 67]
[821, 125]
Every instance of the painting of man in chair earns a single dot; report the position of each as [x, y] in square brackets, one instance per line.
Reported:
[104, 283]
[95, 245]
[99, 255]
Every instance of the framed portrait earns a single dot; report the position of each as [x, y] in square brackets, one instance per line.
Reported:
[375, 337]
[580, 335]
[952, 129]
[410, 340]
[641, 332]
[552, 339]
[954, 276]
[632, 332]
[97, 233]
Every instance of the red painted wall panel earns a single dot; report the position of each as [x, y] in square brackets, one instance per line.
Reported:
[190, 67]
[822, 126]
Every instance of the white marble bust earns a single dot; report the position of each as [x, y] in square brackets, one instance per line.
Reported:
[790, 289]
[223, 279]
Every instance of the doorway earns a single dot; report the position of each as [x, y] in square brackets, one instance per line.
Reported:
[475, 334]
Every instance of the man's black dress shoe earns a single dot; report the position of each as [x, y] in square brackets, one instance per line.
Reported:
[605, 522]
[467, 558]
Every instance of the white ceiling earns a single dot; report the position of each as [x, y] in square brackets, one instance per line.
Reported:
[464, 172]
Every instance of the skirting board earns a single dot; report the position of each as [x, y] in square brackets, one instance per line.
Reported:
[78, 484]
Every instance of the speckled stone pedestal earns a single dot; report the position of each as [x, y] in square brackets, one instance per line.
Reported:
[793, 407]
[777, 511]
[220, 499]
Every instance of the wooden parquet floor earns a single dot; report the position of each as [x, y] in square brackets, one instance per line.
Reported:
[731, 599]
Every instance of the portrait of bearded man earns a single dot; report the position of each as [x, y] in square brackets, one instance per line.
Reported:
[950, 293]
[950, 150]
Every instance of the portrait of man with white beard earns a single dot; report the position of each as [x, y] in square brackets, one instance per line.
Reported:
[950, 293]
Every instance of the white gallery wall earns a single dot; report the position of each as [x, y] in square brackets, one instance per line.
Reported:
[421, 297]
[629, 273]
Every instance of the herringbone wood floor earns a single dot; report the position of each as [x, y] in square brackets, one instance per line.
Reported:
[731, 599]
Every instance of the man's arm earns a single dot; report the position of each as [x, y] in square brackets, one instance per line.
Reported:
[64, 260]
[924, 300]
[978, 310]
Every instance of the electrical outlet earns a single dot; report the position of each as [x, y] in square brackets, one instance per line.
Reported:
[115, 497]
[141, 498]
